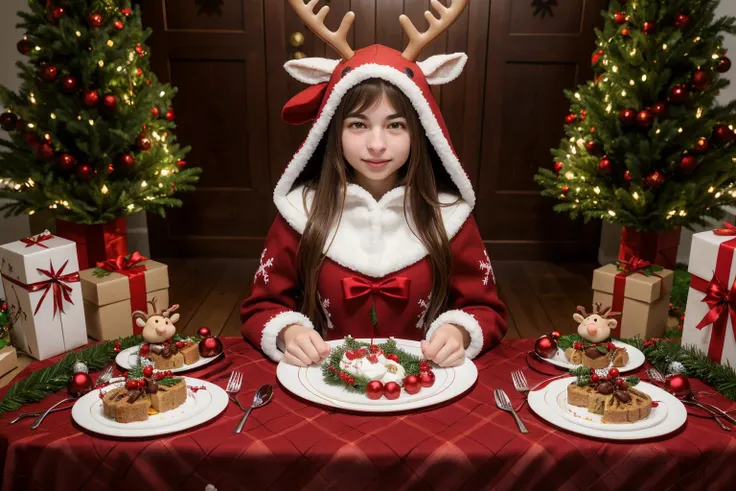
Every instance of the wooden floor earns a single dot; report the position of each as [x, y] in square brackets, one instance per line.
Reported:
[541, 296]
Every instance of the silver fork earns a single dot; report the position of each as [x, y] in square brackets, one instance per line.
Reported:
[520, 383]
[233, 387]
[503, 402]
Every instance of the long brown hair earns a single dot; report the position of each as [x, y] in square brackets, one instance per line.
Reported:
[328, 175]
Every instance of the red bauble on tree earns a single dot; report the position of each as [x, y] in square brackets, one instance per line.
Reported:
[627, 176]
[678, 385]
[659, 109]
[57, 13]
[645, 118]
[68, 84]
[625, 32]
[688, 163]
[8, 121]
[374, 389]
[94, 20]
[31, 138]
[45, 152]
[619, 17]
[154, 112]
[118, 25]
[701, 79]
[143, 142]
[724, 64]
[66, 162]
[181, 163]
[558, 167]
[592, 147]
[701, 146]
[722, 134]
[49, 73]
[126, 12]
[126, 160]
[649, 27]
[596, 56]
[654, 180]
[24, 46]
[605, 166]
[170, 114]
[110, 101]
[90, 98]
[627, 116]
[678, 94]
[85, 172]
[682, 21]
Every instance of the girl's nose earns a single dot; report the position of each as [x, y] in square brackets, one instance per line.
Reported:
[377, 143]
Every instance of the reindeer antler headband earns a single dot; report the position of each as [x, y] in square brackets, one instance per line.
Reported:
[417, 40]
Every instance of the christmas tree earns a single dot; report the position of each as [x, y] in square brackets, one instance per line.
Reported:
[91, 128]
[646, 145]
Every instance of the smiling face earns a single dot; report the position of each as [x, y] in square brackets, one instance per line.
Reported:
[595, 328]
[158, 328]
[376, 143]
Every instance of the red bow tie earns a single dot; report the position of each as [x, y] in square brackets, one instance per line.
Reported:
[355, 286]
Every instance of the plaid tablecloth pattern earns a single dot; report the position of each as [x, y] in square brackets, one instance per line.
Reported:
[466, 444]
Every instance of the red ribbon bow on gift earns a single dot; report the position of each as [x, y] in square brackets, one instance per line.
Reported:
[57, 281]
[120, 263]
[38, 240]
[722, 303]
[355, 286]
[635, 265]
[729, 230]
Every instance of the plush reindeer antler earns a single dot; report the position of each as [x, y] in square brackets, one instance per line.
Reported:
[316, 23]
[153, 303]
[604, 311]
[418, 41]
[167, 312]
[139, 314]
[582, 310]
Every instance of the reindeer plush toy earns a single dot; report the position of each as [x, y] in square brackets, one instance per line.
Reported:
[158, 332]
[596, 328]
[159, 326]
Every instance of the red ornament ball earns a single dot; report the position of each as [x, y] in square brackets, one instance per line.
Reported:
[154, 112]
[625, 32]
[605, 166]
[682, 21]
[393, 357]
[678, 385]
[180, 345]
[126, 12]
[94, 20]
[558, 167]
[7, 121]
[85, 172]
[565, 189]
[24, 46]
[49, 73]
[145, 350]
[138, 72]
[594, 377]
[131, 384]
[204, 332]
[678, 94]
[627, 176]
[392, 390]
[724, 64]
[613, 371]
[90, 98]
[170, 114]
[654, 180]
[68, 84]
[126, 160]
[545, 346]
[426, 379]
[659, 109]
[701, 146]
[31, 138]
[141, 384]
[555, 334]
[110, 101]
[118, 25]
[627, 116]
[139, 49]
[210, 346]
[411, 384]
[701, 79]
[143, 142]
[57, 13]
[591, 146]
[645, 119]
[79, 384]
[619, 18]
[577, 345]
[649, 27]
[147, 371]
[569, 119]
[181, 163]
[596, 56]
[45, 152]
[374, 389]
[722, 134]
[688, 163]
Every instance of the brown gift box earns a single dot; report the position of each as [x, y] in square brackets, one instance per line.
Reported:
[107, 300]
[646, 300]
[8, 359]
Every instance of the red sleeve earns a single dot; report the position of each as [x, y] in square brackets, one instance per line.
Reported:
[271, 305]
[473, 301]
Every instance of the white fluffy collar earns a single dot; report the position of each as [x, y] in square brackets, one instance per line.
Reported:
[373, 237]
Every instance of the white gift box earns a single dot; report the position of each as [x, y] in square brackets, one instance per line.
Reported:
[704, 256]
[41, 281]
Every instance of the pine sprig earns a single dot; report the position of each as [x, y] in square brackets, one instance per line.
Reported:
[45, 382]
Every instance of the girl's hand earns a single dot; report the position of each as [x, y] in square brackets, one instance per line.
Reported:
[303, 345]
[447, 346]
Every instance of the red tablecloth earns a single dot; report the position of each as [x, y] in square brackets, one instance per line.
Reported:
[289, 444]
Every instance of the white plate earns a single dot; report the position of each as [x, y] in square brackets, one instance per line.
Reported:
[200, 406]
[636, 358]
[550, 404]
[129, 357]
[308, 384]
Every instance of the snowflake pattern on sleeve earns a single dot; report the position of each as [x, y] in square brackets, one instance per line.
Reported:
[425, 305]
[325, 305]
[262, 268]
[486, 266]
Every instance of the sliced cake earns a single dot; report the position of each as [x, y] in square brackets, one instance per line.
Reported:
[169, 397]
[190, 352]
[124, 406]
[614, 399]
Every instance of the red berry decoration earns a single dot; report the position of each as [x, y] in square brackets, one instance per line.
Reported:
[147, 371]
[678, 94]
[373, 358]
[411, 384]
[627, 176]
[393, 357]
[426, 379]
[141, 384]
[558, 167]
[8, 121]
[701, 79]
[145, 350]
[126, 12]
[596, 56]
[131, 384]
[570, 118]
[170, 114]
[619, 18]
[159, 376]
[350, 355]
[57, 13]
[545, 346]
[682, 21]
[625, 32]
[94, 20]
[181, 163]
[610, 346]
[118, 25]
[143, 142]
[91, 98]
[392, 390]
[85, 172]
[374, 389]
[577, 345]
[605, 166]
[24, 46]
[565, 189]
[627, 116]
[68, 84]
[204, 332]
[555, 334]
[210, 346]
[659, 109]
[154, 112]
[126, 160]
[594, 378]
[110, 101]
[49, 73]
[654, 180]
[45, 152]
[678, 385]
[613, 371]
[645, 119]
[688, 163]
[724, 64]
[649, 27]
[722, 134]
[591, 146]
[138, 72]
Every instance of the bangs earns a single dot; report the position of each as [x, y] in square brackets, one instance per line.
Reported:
[368, 95]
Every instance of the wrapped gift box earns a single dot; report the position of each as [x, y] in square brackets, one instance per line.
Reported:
[707, 323]
[643, 300]
[8, 359]
[41, 281]
[110, 300]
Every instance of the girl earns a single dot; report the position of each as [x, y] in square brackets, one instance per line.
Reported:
[374, 236]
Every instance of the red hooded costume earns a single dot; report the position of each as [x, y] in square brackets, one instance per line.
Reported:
[374, 258]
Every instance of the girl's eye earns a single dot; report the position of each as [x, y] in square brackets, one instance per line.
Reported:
[397, 126]
[356, 124]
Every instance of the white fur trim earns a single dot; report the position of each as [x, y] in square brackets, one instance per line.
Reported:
[374, 237]
[467, 322]
[274, 326]
[443, 69]
[426, 117]
[311, 70]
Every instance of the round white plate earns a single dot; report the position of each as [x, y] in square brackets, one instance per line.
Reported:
[128, 358]
[201, 405]
[551, 405]
[307, 383]
[636, 358]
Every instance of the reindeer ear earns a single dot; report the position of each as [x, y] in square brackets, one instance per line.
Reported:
[174, 318]
[612, 323]
[140, 322]
[442, 69]
[578, 318]
[311, 70]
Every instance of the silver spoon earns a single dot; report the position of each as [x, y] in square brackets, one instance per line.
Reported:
[263, 395]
